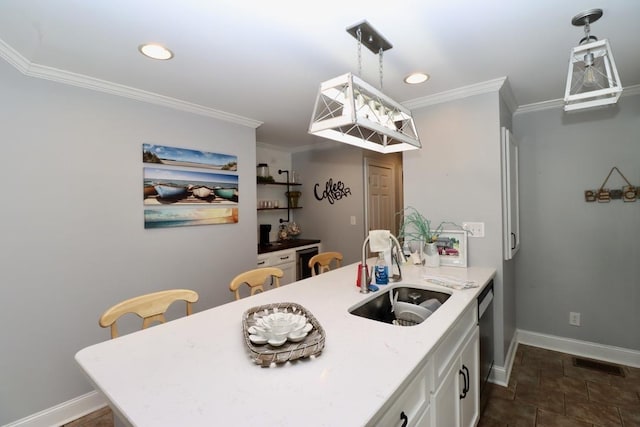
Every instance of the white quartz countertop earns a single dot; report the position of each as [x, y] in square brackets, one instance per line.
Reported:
[196, 370]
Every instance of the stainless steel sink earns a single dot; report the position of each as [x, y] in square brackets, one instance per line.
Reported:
[379, 307]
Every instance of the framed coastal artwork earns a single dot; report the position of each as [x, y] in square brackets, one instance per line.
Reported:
[183, 187]
[452, 247]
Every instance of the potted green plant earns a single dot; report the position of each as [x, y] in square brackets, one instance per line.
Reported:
[416, 232]
[416, 227]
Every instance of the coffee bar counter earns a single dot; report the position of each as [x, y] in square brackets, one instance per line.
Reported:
[286, 244]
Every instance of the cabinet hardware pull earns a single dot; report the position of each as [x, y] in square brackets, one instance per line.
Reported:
[514, 240]
[404, 418]
[468, 381]
[464, 387]
[260, 262]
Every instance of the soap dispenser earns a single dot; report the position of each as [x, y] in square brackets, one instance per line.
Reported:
[381, 270]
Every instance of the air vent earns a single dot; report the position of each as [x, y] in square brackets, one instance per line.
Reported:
[594, 365]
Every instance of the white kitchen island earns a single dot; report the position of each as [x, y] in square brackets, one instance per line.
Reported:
[196, 370]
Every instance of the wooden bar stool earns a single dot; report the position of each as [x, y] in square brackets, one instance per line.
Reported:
[324, 260]
[255, 279]
[150, 307]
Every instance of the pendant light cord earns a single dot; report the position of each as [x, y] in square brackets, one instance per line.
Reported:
[359, 34]
[380, 65]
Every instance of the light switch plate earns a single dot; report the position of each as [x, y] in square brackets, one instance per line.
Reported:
[574, 318]
[475, 229]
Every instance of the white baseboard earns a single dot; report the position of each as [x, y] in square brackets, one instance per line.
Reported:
[500, 374]
[607, 353]
[64, 412]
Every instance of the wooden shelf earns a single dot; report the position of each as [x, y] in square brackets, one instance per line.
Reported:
[279, 183]
[287, 208]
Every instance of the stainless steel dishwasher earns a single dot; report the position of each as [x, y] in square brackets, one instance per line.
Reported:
[485, 320]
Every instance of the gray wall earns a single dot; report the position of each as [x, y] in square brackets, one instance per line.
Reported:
[332, 222]
[321, 219]
[73, 241]
[456, 177]
[578, 256]
[276, 160]
[508, 289]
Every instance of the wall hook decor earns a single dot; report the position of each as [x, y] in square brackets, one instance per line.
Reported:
[628, 193]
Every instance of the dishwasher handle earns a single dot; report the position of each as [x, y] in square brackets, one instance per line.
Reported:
[485, 303]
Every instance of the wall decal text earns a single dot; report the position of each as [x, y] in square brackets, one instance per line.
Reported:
[332, 192]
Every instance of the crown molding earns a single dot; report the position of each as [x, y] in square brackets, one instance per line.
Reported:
[10, 55]
[539, 106]
[559, 103]
[506, 93]
[459, 93]
[631, 91]
[31, 69]
[502, 85]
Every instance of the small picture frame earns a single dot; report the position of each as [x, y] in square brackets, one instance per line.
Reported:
[452, 247]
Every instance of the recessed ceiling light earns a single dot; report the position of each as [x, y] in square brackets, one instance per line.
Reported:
[416, 78]
[155, 51]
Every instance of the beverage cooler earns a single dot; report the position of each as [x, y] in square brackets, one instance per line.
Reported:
[302, 261]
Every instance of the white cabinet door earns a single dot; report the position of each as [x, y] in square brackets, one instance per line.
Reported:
[456, 399]
[510, 195]
[284, 260]
[446, 407]
[412, 403]
[289, 270]
[424, 420]
[470, 396]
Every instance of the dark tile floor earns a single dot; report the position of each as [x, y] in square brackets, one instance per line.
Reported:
[546, 389]
[100, 418]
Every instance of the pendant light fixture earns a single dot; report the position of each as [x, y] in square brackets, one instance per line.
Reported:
[351, 111]
[593, 78]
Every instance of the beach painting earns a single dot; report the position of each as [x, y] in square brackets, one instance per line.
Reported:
[183, 187]
[164, 186]
[174, 156]
[180, 216]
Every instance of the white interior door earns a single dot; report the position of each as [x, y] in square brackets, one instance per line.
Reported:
[381, 196]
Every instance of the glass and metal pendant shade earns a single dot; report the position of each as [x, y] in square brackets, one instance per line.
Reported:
[593, 79]
[351, 111]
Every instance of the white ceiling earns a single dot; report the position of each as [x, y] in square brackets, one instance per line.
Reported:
[264, 60]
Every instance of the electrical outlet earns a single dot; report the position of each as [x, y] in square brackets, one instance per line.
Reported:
[475, 229]
[353, 220]
[574, 319]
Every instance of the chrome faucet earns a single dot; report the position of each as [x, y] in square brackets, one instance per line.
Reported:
[364, 273]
